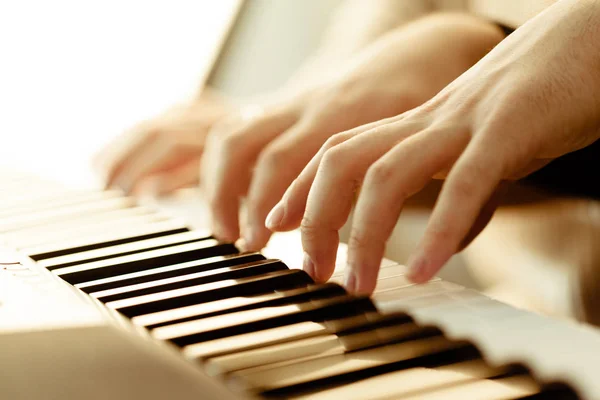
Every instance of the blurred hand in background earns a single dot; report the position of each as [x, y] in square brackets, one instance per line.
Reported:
[162, 154]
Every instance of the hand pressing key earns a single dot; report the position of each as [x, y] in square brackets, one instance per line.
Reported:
[163, 154]
[258, 159]
[535, 97]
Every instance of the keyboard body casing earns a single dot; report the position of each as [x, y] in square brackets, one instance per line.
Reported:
[59, 344]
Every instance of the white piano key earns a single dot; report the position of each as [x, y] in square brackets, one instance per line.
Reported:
[553, 349]
[404, 382]
[137, 246]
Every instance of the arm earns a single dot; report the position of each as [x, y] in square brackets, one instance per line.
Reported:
[354, 25]
[532, 99]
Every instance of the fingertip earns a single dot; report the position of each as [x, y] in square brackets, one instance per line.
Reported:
[350, 281]
[360, 281]
[366, 285]
[123, 185]
[308, 266]
[421, 269]
[255, 238]
[275, 217]
[240, 244]
[150, 187]
[110, 179]
[224, 234]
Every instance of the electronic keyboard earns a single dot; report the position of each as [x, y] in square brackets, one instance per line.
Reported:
[104, 298]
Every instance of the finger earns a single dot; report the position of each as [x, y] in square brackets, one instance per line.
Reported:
[467, 189]
[277, 166]
[162, 183]
[485, 216]
[114, 158]
[389, 182]
[226, 167]
[288, 213]
[331, 196]
[160, 156]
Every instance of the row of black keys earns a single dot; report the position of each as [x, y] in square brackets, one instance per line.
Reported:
[264, 328]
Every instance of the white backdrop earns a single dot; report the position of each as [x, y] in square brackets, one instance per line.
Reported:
[73, 73]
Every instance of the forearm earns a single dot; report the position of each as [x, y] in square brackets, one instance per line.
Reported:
[355, 25]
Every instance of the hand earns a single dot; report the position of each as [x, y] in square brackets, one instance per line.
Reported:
[162, 154]
[535, 97]
[261, 157]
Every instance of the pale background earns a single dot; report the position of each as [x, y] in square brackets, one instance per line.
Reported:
[74, 74]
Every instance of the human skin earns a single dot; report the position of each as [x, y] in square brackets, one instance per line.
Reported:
[532, 99]
[163, 154]
[260, 159]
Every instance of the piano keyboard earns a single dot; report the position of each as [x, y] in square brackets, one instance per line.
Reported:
[246, 325]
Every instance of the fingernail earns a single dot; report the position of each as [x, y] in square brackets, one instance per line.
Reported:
[123, 185]
[275, 217]
[308, 266]
[350, 280]
[240, 244]
[416, 268]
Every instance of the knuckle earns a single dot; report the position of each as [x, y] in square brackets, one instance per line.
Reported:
[334, 159]
[464, 187]
[387, 129]
[379, 174]
[359, 239]
[229, 141]
[336, 139]
[273, 157]
[226, 124]
[309, 227]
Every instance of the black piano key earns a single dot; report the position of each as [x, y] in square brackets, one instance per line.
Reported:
[279, 280]
[200, 278]
[170, 271]
[410, 382]
[256, 320]
[99, 241]
[297, 331]
[365, 322]
[324, 344]
[213, 309]
[124, 249]
[553, 392]
[295, 377]
[143, 261]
